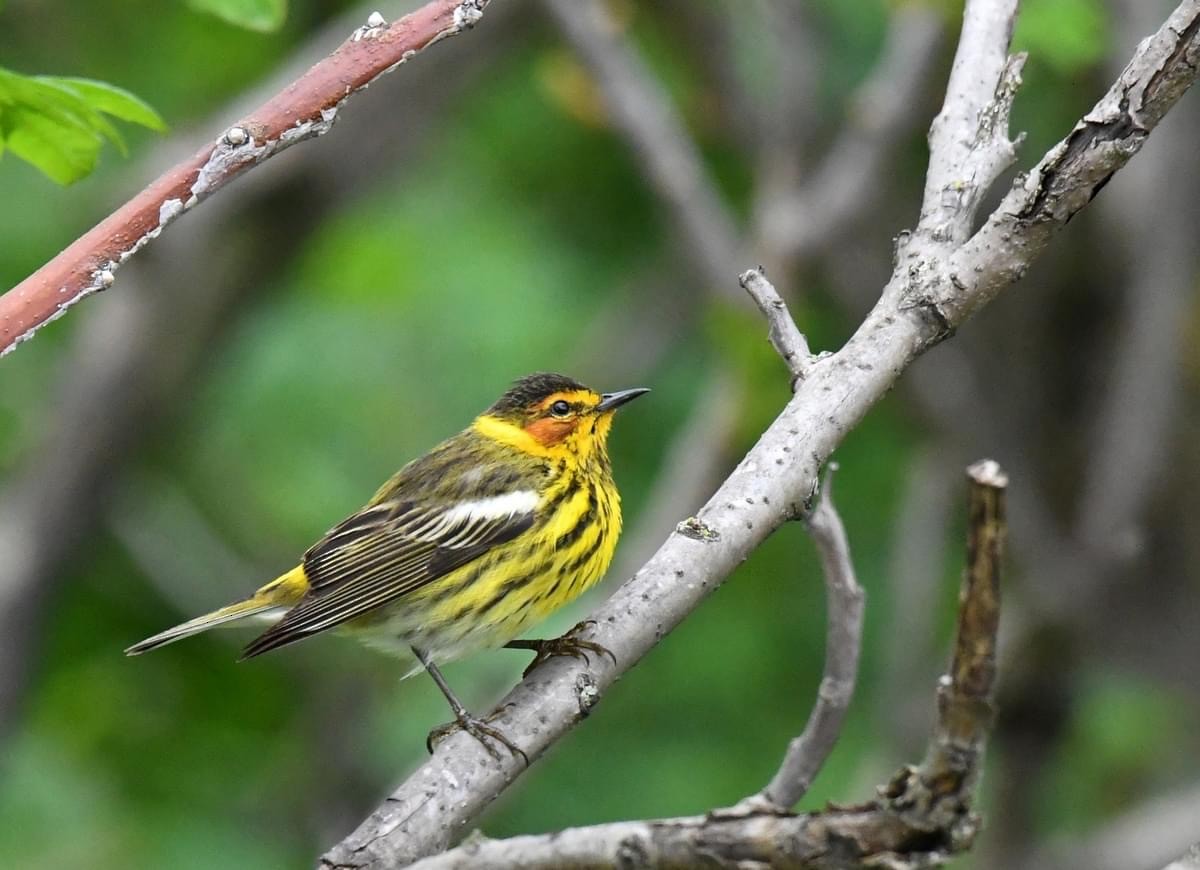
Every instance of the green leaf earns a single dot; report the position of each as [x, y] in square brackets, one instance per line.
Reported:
[264, 16]
[117, 102]
[63, 104]
[59, 124]
[63, 152]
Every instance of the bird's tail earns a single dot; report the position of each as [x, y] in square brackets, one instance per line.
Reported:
[271, 601]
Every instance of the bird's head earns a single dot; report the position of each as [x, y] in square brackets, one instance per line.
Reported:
[550, 414]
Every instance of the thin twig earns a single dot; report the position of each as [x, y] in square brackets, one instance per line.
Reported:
[939, 791]
[785, 336]
[844, 606]
[306, 108]
[965, 695]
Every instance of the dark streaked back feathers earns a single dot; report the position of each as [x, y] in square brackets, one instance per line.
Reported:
[434, 516]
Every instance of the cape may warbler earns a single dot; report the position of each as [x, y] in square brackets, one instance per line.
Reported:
[464, 548]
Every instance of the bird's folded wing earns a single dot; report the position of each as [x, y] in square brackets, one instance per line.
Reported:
[389, 549]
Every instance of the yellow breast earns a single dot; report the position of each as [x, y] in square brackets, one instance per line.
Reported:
[517, 584]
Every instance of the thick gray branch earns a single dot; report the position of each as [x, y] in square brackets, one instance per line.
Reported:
[831, 840]
[1042, 201]
[922, 303]
[1152, 207]
[822, 841]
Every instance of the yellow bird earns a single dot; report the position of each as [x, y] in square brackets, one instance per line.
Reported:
[463, 548]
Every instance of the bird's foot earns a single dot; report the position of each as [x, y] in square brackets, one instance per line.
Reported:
[570, 644]
[481, 730]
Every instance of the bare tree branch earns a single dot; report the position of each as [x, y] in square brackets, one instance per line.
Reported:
[843, 645]
[794, 222]
[787, 339]
[968, 140]
[306, 108]
[1042, 201]
[1153, 207]
[932, 291]
[965, 695]
[831, 840]
[648, 119]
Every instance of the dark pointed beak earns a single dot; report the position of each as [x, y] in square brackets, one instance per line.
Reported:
[612, 401]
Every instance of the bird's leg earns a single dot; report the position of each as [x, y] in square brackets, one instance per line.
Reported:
[567, 645]
[477, 728]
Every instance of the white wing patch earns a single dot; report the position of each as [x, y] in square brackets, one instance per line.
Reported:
[520, 501]
[462, 524]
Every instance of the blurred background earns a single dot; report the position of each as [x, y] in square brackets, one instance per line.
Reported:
[537, 194]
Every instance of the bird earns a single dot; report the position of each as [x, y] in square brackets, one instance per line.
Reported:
[463, 549]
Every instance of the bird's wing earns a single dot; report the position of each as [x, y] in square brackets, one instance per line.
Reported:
[391, 548]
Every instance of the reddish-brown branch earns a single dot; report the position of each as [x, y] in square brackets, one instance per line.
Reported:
[304, 109]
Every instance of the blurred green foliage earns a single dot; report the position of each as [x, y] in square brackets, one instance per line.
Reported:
[262, 15]
[1107, 756]
[380, 339]
[1068, 35]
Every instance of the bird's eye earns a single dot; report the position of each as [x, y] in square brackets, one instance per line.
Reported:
[560, 408]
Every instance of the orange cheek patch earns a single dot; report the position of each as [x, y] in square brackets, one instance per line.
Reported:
[549, 432]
